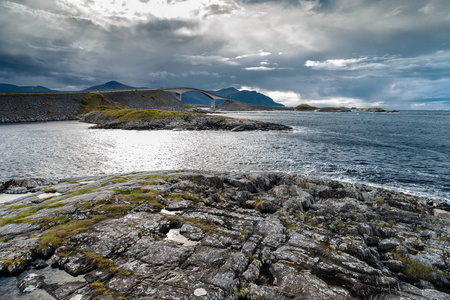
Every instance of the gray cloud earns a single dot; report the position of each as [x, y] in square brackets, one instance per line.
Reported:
[365, 52]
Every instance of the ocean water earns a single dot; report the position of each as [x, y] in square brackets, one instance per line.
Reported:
[407, 151]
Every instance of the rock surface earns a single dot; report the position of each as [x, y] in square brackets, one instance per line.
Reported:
[180, 121]
[254, 236]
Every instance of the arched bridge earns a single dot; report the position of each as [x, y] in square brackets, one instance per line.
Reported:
[179, 91]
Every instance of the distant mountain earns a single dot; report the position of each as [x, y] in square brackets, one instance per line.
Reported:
[11, 88]
[250, 97]
[110, 86]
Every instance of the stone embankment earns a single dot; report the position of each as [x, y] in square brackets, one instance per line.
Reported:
[157, 120]
[16, 108]
[186, 235]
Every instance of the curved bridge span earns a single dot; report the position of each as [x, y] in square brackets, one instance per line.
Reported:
[179, 91]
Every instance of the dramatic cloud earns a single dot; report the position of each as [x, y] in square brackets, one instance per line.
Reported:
[355, 53]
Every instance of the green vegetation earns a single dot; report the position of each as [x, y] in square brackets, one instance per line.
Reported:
[98, 102]
[19, 218]
[119, 179]
[182, 196]
[55, 236]
[145, 114]
[139, 196]
[292, 265]
[305, 107]
[414, 269]
[84, 191]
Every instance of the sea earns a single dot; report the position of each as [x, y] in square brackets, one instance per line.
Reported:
[408, 151]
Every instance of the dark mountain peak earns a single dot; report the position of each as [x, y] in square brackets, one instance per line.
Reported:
[229, 90]
[11, 88]
[110, 86]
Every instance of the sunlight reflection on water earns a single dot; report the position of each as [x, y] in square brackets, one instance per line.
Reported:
[406, 151]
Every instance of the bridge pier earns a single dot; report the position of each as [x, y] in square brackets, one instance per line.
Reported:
[213, 105]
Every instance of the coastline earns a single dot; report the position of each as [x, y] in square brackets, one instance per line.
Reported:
[239, 224]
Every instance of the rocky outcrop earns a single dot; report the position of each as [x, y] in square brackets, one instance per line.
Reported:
[175, 121]
[186, 235]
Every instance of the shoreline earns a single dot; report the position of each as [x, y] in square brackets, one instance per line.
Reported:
[244, 231]
[395, 189]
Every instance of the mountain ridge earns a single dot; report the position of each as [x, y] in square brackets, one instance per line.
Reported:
[110, 86]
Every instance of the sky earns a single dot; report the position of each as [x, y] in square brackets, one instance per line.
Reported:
[355, 53]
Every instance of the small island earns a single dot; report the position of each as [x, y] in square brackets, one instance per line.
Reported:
[307, 107]
[153, 119]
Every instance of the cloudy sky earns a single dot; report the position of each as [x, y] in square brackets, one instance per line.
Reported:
[388, 53]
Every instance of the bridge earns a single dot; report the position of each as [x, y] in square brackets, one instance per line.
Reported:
[179, 91]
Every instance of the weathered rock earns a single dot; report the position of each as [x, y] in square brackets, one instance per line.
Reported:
[16, 190]
[388, 244]
[256, 236]
[441, 213]
[30, 282]
[192, 232]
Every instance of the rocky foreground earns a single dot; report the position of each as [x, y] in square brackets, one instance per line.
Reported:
[170, 120]
[224, 236]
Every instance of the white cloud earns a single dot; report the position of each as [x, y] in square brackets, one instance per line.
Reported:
[377, 104]
[66, 41]
[337, 102]
[260, 53]
[386, 64]
[113, 13]
[200, 73]
[416, 105]
[162, 74]
[336, 64]
[207, 60]
[261, 68]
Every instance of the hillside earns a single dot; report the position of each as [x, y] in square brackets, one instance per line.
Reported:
[110, 86]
